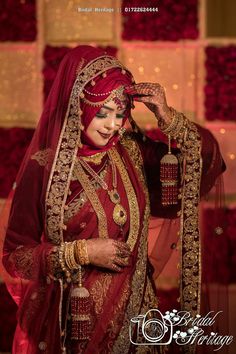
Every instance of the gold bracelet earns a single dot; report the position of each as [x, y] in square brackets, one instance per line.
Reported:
[81, 252]
[174, 122]
[177, 127]
[61, 253]
[85, 252]
[70, 256]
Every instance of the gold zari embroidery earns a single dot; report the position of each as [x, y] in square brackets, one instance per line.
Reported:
[99, 291]
[98, 208]
[132, 200]
[190, 233]
[42, 156]
[138, 280]
[74, 206]
[95, 159]
[94, 200]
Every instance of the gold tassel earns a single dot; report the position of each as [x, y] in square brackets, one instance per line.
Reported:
[80, 311]
[169, 177]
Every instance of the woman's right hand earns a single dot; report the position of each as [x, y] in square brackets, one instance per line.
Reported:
[108, 253]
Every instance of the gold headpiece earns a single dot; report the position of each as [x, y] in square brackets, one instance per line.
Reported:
[116, 93]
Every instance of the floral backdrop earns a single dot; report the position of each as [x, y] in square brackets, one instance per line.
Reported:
[220, 88]
[178, 20]
[18, 20]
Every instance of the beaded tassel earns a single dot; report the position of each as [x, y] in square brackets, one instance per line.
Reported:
[80, 311]
[169, 177]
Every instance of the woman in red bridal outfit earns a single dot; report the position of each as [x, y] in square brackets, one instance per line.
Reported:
[76, 239]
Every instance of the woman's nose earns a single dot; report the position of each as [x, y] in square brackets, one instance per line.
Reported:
[111, 122]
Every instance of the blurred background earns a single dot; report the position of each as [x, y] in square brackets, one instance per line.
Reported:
[189, 47]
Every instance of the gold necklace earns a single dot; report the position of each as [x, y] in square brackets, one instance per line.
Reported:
[96, 159]
[98, 207]
[119, 213]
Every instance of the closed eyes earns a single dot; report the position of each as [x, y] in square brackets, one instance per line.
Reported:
[105, 115]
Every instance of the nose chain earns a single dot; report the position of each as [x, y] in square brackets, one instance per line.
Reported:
[119, 213]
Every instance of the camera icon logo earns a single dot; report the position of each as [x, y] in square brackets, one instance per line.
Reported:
[151, 329]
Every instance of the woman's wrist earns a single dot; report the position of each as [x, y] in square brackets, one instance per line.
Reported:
[66, 258]
[164, 116]
[174, 124]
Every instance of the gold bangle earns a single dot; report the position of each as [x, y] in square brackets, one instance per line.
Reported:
[177, 127]
[70, 256]
[82, 252]
[174, 122]
[61, 253]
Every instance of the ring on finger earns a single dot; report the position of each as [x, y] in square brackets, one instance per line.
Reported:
[119, 252]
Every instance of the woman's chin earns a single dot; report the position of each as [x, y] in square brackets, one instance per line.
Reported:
[100, 142]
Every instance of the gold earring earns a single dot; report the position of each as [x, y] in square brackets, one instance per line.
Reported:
[121, 131]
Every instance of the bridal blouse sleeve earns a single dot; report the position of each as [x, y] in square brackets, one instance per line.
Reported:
[27, 254]
[153, 151]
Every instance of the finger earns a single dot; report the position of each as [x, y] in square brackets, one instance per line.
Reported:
[122, 253]
[145, 87]
[115, 268]
[122, 245]
[123, 262]
[148, 88]
[144, 99]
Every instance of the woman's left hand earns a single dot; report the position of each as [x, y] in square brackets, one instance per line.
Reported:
[153, 96]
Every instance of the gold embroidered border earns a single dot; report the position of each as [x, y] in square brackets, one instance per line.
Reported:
[132, 199]
[69, 141]
[138, 281]
[132, 147]
[137, 290]
[75, 205]
[97, 206]
[94, 200]
[189, 232]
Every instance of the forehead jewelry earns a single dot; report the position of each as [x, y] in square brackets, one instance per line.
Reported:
[118, 93]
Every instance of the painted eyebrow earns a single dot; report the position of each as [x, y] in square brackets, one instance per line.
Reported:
[111, 109]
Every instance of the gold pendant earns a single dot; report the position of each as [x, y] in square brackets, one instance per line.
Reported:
[119, 215]
[114, 196]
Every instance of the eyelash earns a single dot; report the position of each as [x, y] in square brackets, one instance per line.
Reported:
[104, 115]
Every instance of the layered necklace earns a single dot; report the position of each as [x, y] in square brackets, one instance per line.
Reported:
[83, 169]
[119, 213]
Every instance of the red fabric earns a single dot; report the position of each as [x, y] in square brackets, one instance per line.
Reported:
[52, 57]
[13, 144]
[7, 319]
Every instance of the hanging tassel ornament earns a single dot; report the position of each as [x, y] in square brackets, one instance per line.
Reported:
[80, 311]
[169, 177]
